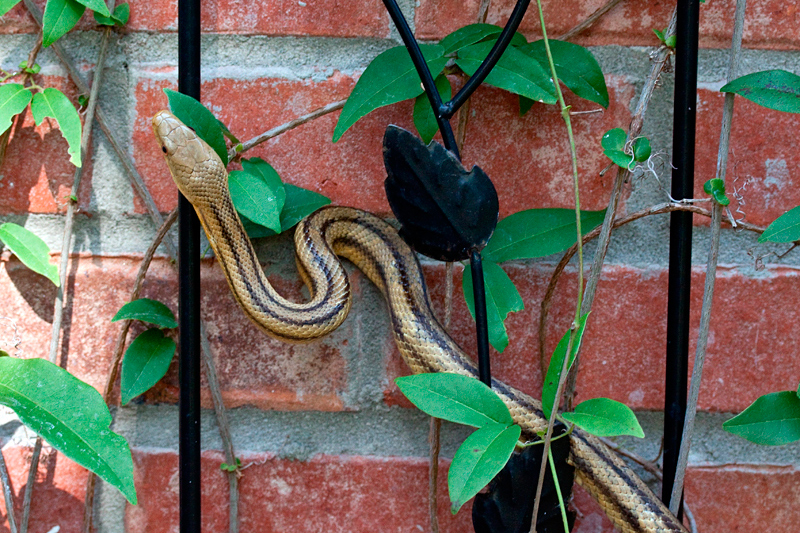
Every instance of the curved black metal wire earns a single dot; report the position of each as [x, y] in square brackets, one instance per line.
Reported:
[443, 112]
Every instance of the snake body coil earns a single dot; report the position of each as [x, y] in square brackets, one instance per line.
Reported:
[378, 251]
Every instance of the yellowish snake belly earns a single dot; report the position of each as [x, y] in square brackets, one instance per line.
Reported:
[378, 251]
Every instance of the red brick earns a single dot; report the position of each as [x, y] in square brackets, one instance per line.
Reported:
[763, 158]
[31, 183]
[253, 369]
[739, 499]
[513, 151]
[770, 24]
[58, 492]
[624, 344]
[590, 517]
[326, 493]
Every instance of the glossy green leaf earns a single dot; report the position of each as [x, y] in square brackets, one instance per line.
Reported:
[641, 149]
[576, 68]
[772, 420]
[30, 249]
[475, 33]
[7, 5]
[785, 228]
[502, 298]
[146, 361]
[119, 17]
[482, 455]
[424, 119]
[70, 415]
[14, 98]
[550, 386]
[258, 193]
[613, 143]
[55, 104]
[147, 310]
[537, 233]
[389, 78]
[775, 89]
[605, 418]
[716, 188]
[201, 120]
[515, 72]
[98, 6]
[299, 204]
[457, 398]
[60, 16]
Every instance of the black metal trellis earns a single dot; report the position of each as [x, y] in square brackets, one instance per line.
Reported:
[680, 235]
[189, 286]
[680, 238]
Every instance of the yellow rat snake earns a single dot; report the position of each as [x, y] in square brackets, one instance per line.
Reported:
[378, 251]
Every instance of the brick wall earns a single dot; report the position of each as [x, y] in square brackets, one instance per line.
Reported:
[332, 445]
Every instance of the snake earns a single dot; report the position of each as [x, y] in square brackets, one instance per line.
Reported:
[376, 248]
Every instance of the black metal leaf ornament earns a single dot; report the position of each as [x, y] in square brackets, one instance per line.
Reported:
[507, 507]
[445, 211]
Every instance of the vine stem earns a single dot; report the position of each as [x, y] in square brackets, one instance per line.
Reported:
[8, 496]
[711, 269]
[622, 177]
[58, 309]
[574, 327]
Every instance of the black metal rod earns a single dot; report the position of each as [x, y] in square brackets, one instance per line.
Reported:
[424, 73]
[680, 250]
[503, 41]
[189, 285]
[481, 323]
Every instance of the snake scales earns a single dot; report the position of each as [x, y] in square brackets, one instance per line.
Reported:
[378, 251]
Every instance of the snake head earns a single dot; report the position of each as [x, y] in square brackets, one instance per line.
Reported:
[194, 165]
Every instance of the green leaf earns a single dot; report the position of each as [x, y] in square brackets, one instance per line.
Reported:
[70, 415]
[201, 120]
[672, 40]
[641, 149]
[576, 68]
[785, 228]
[774, 89]
[550, 386]
[516, 72]
[424, 119]
[482, 455]
[147, 310]
[14, 98]
[4, 353]
[299, 204]
[146, 361]
[605, 418]
[659, 34]
[613, 143]
[119, 17]
[30, 249]
[389, 78]
[7, 5]
[54, 104]
[716, 188]
[60, 16]
[537, 233]
[457, 398]
[258, 193]
[502, 298]
[475, 33]
[772, 420]
[99, 6]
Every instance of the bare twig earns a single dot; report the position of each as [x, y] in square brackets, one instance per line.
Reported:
[58, 309]
[283, 128]
[591, 19]
[35, 50]
[622, 177]
[711, 269]
[8, 494]
[113, 372]
[650, 466]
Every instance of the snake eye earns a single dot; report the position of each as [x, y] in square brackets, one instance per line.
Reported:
[164, 149]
